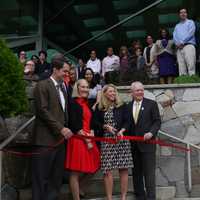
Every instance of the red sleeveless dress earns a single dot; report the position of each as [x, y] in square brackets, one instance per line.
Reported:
[79, 157]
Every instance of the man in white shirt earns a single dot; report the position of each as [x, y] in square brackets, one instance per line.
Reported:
[184, 39]
[95, 64]
[50, 128]
[110, 67]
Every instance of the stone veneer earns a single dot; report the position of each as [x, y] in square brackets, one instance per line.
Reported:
[179, 107]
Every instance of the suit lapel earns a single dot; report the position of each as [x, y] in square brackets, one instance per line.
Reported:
[131, 111]
[142, 107]
[65, 93]
[53, 88]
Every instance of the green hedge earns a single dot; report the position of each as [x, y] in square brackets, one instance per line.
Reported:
[187, 79]
[13, 100]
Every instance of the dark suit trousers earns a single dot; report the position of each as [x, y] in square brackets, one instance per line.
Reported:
[47, 173]
[144, 170]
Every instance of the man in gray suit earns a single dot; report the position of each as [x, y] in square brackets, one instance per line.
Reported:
[144, 120]
[50, 128]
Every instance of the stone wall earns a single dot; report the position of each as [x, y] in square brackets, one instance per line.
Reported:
[179, 107]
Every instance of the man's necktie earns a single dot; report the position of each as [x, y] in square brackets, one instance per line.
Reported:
[137, 109]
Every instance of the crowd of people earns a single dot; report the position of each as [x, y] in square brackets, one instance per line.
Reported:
[79, 103]
[159, 62]
[70, 117]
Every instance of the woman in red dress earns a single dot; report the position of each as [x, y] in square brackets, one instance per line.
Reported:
[82, 154]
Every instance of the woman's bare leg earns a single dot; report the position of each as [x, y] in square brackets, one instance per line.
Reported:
[108, 182]
[74, 185]
[123, 174]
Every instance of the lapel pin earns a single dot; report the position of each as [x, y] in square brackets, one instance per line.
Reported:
[142, 108]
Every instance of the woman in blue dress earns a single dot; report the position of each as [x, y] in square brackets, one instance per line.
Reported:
[166, 57]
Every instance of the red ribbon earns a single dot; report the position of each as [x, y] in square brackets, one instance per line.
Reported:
[134, 139]
[103, 139]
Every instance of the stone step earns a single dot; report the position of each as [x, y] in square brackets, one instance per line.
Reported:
[163, 193]
[195, 191]
[95, 189]
[186, 198]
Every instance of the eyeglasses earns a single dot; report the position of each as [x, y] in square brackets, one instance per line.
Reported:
[30, 64]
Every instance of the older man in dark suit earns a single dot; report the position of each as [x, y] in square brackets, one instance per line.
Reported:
[144, 120]
[50, 128]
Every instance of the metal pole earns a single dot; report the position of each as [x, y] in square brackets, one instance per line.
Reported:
[39, 43]
[8, 140]
[178, 139]
[189, 169]
[116, 25]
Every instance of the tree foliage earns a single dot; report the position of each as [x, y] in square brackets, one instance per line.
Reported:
[13, 100]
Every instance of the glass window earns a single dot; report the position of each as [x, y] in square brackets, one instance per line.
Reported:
[18, 17]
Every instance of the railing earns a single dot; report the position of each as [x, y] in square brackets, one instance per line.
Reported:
[189, 145]
[6, 142]
[116, 25]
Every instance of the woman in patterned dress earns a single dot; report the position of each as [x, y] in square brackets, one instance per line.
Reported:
[111, 123]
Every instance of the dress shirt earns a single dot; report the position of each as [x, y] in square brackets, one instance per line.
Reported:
[110, 63]
[95, 65]
[62, 98]
[184, 33]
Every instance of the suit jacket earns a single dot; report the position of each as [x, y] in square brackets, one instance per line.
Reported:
[148, 121]
[50, 117]
[119, 118]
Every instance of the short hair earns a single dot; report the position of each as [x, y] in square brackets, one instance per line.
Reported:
[110, 47]
[136, 83]
[18, 54]
[42, 52]
[93, 50]
[104, 103]
[57, 62]
[182, 9]
[75, 92]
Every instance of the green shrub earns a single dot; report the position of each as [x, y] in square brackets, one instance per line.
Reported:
[13, 100]
[187, 79]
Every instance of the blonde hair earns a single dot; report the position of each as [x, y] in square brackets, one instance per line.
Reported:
[75, 92]
[104, 103]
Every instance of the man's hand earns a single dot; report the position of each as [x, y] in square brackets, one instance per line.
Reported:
[148, 136]
[66, 132]
[180, 46]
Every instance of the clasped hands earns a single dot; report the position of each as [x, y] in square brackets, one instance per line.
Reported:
[87, 141]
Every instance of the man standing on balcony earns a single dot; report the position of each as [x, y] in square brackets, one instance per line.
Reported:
[184, 39]
[110, 67]
[51, 124]
[95, 64]
[143, 120]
